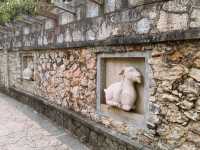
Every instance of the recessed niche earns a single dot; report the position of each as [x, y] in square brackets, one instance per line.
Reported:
[27, 69]
[109, 67]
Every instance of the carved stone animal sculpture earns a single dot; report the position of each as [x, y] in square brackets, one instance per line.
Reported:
[28, 72]
[123, 94]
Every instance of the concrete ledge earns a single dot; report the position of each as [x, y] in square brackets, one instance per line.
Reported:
[89, 132]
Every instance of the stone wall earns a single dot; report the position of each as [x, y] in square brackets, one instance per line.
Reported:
[176, 96]
[65, 66]
[68, 78]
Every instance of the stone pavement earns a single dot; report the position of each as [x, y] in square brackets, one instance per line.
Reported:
[21, 128]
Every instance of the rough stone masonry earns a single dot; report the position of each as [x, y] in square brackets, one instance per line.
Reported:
[65, 65]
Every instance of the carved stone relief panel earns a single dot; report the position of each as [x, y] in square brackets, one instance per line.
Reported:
[122, 86]
[124, 81]
[27, 67]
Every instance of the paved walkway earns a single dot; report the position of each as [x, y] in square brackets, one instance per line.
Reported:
[21, 128]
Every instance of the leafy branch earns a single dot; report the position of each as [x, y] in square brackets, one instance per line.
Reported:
[10, 10]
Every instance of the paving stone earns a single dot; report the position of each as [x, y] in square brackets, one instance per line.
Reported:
[21, 128]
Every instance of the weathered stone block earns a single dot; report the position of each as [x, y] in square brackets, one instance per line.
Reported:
[93, 138]
[195, 74]
[49, 23]
[193, 115]
[143, 26]
[194, 138]
[186, 146]
[66, 18]
[176, 6]
[195, 18]
[170, 22]
[186, 105]
[93, 9]
[110, 5]
[135, 2]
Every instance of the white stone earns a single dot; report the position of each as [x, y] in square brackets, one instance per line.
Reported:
[175, 6]
[104, 32]
[45, 41]
[60, 38]
[195, 18]
[68, 37]
[75, 92]
[135, 2]
[195, 74]
[66, 18]
[173, 73]
[123, 94]
[26, 30]
[77, 36]
[92, 9]
[90, 35]
[169, 97]
[193, 115]
[187, 146]
[49, 24]
[190, 87]
[28, 72]
[110, 5]
[170, 22]
[186, 105]
[143, 26]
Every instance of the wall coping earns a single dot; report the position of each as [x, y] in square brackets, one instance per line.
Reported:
[79, 33]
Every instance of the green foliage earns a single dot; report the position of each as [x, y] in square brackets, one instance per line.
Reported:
[11, 9]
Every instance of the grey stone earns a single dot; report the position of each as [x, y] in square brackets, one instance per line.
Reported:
[193, 115]
[143, 26]
[186, 105]
[28, 124]
[93, 138]
[170, 22]
[176, 6]
[195, 18]
[190, 87]
[154, 108]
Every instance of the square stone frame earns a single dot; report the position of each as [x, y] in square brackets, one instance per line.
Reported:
[21, 82]
[22, 57]
[101, 78]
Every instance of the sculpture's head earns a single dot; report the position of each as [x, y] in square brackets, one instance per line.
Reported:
[132, 74]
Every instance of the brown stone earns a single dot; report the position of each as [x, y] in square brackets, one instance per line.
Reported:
[177, 56]
[168, 97]
[176, 133]
[91, 64]
[186, 105]
[197, 105]
[84, 82]
[195, 127]
[77, 73]
[173, 114]
[173, 73]
[190, 87]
